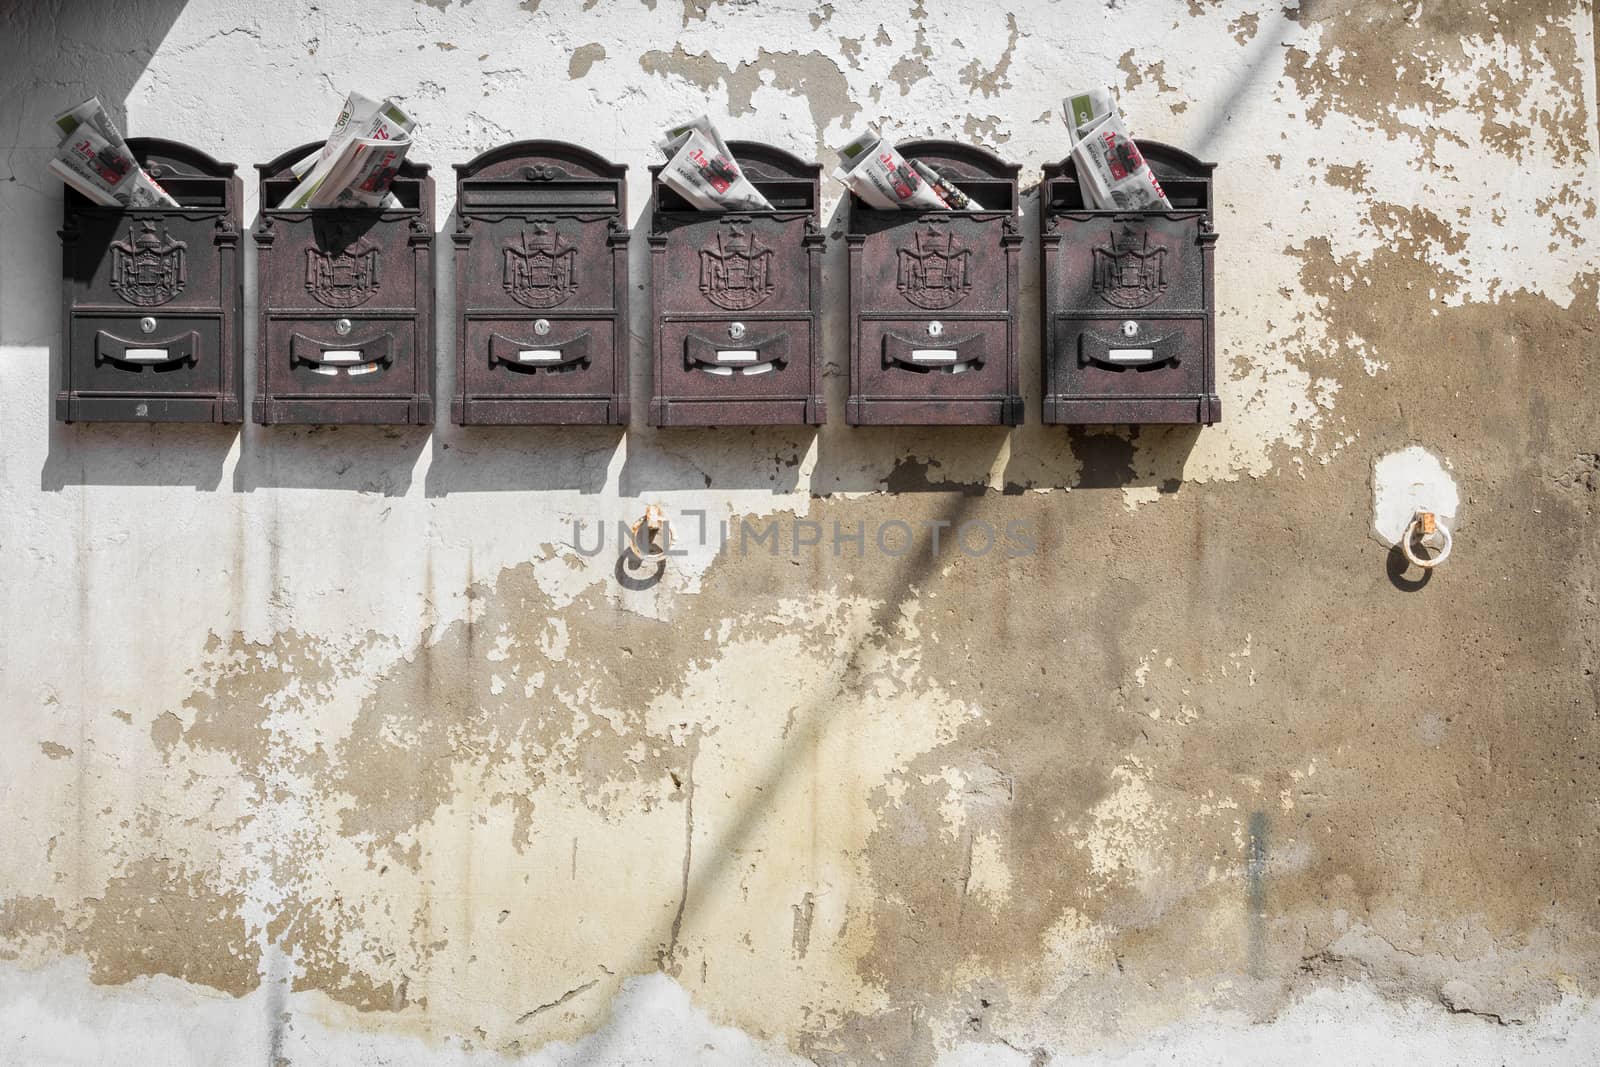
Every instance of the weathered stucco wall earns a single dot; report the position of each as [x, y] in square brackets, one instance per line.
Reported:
[325, 746]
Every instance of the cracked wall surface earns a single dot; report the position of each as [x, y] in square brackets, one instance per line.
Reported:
[345, 746]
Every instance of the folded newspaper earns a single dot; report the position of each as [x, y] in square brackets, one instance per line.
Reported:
[870, 167]
[94, 159]
[358, 162]
[702, 170]
[1111, 170]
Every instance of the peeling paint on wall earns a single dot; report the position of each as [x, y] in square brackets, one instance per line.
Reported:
[332, 747]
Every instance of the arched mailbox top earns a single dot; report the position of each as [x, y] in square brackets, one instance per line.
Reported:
[161, 157]
[540, 176]
[958, 160]
[764, 161]
[788, 182]
[1185, 178]
[1171, 162]
[282, 166]
[540, 161]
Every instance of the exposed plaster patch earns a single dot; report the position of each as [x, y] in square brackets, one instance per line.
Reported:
[913, 66]
[808, 75]
[991, 81]
[584, 57]
[1244, 26]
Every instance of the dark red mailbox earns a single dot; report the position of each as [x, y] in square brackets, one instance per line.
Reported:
[933, 300]
[737, 300]
[346, 304]
[1129, 331]
[151, 298]
[541, 287]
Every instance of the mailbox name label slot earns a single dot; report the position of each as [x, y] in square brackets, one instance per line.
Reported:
[1131, 355]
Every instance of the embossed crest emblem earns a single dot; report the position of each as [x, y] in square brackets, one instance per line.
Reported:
[934, 271]
[541, 268]
[1128, 273]
[736, 272]
[148, 269]
[343, 279]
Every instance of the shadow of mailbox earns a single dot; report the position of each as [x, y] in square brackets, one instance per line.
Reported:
[737, 300]
[151, 298]
[541, 287]
[346, 304]
[933, 300]
[1129, 331]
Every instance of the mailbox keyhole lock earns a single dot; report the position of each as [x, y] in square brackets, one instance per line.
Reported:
[342, 327]
[935, 328]
[1130, 328]
[541, 327]
[147, 325]
[736, 330]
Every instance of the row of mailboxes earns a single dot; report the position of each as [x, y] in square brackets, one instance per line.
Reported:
[346, 334]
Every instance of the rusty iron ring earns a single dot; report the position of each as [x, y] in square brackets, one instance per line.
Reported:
[1420, 523]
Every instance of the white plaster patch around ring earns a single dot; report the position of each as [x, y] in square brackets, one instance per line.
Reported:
[1406, 482]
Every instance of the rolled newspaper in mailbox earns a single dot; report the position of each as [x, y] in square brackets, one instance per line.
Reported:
[359, 160]
[870, 167]
[1083, 111]
[702, 170]
[94, 159]
[1114, 172]
[953, 197]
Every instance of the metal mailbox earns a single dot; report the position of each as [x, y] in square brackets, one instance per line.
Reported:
[933, 300]
[346, 304]
[151, 298]
[1129, 315]
[737, 300]
[541, 287]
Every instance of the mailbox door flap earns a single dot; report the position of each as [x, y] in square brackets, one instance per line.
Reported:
[508, 358]
[311, 358]
[705, 360]
[1129, 357]
[147, 352]
[761, 351]
[928, 357]
[348, 356]
[176, 355]
[954, 351]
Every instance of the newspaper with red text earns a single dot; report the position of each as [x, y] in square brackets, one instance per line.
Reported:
[702, 170]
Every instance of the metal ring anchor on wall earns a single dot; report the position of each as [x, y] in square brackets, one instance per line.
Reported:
[1419, 530]
[650, 537]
